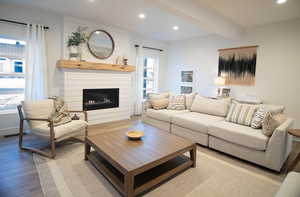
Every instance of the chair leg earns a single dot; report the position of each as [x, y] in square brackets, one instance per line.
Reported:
[53, 151]
[21, 135]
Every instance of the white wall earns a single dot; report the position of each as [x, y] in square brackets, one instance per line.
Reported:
[277, 69]
[56, 36]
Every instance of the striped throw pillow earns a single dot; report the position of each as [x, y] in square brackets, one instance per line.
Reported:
[241, 113]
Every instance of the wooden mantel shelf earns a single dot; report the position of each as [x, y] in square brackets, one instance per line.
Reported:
[93, 66]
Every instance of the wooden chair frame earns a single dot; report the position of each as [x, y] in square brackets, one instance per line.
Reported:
[52, 140]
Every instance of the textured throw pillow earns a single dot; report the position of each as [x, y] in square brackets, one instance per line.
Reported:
[259, 117]
[271, 122]
[176, 102]
[156, 96]
[60, 115]
[159, 103]
[241, 113]
[216, 107]
[189, 98]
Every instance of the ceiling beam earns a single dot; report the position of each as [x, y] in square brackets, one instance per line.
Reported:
[205, 18]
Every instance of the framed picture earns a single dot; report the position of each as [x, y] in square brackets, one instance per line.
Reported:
[186, 89]
[187, 76]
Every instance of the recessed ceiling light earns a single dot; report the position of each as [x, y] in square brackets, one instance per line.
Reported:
[142, 16]
[281, 1]
[175, 28]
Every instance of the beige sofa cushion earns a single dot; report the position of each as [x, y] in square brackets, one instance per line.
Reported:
[195, 121]
[38, 109]
[239, 134]
[217, 107]
[163, 114]
[274, 109]
[61, 130]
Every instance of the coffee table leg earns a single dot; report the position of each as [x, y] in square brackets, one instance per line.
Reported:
[87, 150]
[193, 154]
[129, 183]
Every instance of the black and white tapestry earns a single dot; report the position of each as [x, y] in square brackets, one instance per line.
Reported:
[238, 65]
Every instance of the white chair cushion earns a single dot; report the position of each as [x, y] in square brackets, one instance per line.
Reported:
[61, 131]
[195, 121]
[163, 114]
[239, 134]
[38, 109]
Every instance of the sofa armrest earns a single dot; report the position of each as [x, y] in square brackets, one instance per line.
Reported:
[280, 145]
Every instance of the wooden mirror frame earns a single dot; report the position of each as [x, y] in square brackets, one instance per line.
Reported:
[111, 38]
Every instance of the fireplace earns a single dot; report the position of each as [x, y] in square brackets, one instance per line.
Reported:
[100, 98]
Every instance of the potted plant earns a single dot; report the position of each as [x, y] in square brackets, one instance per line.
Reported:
[75, 40]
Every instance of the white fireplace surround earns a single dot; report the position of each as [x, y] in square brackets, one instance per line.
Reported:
[74, 81]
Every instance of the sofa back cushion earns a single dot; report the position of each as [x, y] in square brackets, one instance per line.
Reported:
[241, 113]
[216, 107]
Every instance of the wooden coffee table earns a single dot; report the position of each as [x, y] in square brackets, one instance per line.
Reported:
[136, 166]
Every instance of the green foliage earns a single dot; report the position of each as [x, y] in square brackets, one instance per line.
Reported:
[77, 37]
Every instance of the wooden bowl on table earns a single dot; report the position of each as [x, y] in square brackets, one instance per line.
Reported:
[135, 135]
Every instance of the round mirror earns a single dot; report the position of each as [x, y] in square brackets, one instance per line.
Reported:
[101, 44]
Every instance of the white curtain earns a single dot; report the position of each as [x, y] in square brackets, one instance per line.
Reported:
[36, 82]
[138, 104]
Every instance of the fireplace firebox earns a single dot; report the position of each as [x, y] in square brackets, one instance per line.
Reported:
[100, 98]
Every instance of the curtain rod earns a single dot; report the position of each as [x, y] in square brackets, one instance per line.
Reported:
[245, 47]
[19, 23]
[151, 48]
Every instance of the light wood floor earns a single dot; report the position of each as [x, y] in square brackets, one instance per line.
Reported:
[18, 175]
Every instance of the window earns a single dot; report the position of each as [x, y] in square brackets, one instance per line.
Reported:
[150, 76]
[12, 69]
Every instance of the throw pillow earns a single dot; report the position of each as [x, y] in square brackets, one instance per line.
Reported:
[259, 117]
[241, 113]
[160, 103]
[189, 98]
[176, 102]
[217, 107]
[155, 96]
[271, 122]
[60, 115]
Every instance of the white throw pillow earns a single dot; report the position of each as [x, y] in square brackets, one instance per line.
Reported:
[176, 102]
[189, 98]
[217, 107]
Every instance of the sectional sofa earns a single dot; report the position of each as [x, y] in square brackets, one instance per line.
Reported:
[204, 122]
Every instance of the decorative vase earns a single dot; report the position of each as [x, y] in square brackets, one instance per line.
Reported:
[75, 53]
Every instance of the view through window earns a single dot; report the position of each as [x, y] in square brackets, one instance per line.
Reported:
[12, 82]
[149, 81]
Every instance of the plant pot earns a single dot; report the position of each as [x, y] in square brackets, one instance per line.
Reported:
[74, 53]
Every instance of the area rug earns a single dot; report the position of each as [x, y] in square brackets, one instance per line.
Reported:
[69, 175]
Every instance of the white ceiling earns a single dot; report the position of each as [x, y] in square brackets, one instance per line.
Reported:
[124, 14]
[194, 17]
[252, 13]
